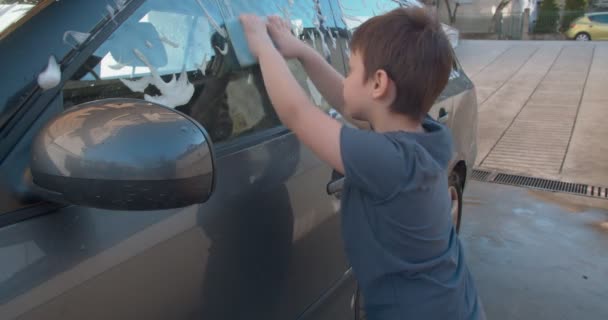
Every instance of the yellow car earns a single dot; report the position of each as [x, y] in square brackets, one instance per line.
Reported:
[591, 26]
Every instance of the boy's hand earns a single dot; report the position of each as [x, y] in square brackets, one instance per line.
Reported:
[280, 32]
[256, 33]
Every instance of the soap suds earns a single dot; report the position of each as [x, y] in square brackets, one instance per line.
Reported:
[229, 7]
[326, 51]
[166, 40]
[78, 37]
[137, 85]
[224, 50]
[111, 11]
[313, 38]
[116, 66]
[172, 94]
[120, 4]
[347, 49]
[212, 21]
[333, 39]
[203, 66]
[51, 76]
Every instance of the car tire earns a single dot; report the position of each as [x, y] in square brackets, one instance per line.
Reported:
[455, 192]
[359, 306]
[582, 36]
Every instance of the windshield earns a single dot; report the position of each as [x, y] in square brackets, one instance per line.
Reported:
[14, 12]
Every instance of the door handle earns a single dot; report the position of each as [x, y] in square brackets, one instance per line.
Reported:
[335, 187]
[443, 116]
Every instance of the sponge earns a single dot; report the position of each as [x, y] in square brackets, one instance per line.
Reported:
[239, 43]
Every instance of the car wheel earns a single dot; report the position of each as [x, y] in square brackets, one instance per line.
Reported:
[359, 306]
[455, 191]
[582, 37]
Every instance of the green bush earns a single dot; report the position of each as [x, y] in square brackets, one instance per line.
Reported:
[548, 16]
[572, 10]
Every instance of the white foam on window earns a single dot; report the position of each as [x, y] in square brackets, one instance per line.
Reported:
[203, 66]
[313, 38]
[343, 7]
[120, 4]
[175, 93]
[51, 76]
[212, 21]
[168, 41]
[229, 8]
[111, 11]
[78, 37]
[224, 50]
[116, 66]
[326, 51]
[137, 85]
[347, 49]
[333, 40]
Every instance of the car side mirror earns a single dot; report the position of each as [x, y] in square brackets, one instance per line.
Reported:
[123, 154]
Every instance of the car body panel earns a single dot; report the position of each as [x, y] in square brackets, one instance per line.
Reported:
[266, 245]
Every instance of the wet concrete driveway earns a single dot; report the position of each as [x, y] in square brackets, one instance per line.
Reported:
[537, 255]
[542, 107]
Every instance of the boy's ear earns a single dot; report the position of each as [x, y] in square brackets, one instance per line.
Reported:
[382, 84]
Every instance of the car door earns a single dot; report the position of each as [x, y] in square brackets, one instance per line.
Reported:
[265, 246]
[599, 28]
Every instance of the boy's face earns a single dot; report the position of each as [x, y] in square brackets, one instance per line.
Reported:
[357, 94]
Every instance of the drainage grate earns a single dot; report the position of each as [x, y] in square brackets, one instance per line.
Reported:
[480, 175]
[540, 183]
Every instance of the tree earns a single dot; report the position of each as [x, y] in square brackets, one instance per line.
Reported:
[498, 14]
[548, 16]
[452, 13]
[572, 10]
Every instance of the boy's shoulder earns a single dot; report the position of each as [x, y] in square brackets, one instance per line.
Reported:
[435, 140]
[380, 162]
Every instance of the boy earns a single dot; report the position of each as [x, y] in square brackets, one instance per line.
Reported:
[397, 228]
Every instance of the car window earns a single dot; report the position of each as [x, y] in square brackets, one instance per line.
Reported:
[311, 22]
[601, 18]
[15, 12]
[176, 54]
[354, 13]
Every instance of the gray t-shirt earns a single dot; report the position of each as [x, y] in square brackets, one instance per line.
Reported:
[397, 228]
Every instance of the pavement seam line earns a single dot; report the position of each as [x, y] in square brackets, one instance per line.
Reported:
[510, 77]
[578, 109]
[493, 60]
[561, 49]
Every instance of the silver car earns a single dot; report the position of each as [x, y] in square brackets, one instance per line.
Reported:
[145, 175]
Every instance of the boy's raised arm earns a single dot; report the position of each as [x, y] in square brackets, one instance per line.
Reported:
[313, 127]
[327, 80]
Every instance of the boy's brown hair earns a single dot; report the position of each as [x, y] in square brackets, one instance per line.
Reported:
[410, 45]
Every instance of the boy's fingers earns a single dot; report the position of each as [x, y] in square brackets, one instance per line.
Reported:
[273, 19]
